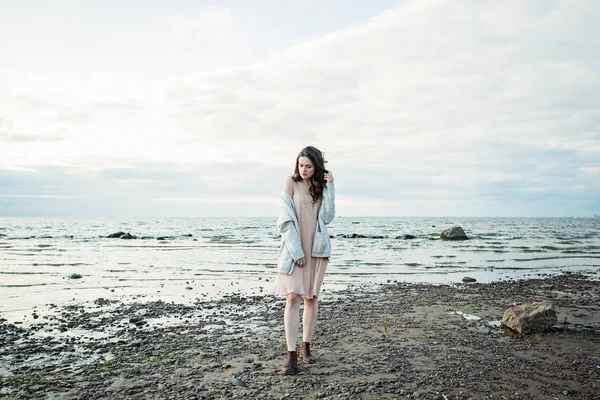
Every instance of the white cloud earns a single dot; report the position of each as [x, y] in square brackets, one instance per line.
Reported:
[431, 94]
[211, 25]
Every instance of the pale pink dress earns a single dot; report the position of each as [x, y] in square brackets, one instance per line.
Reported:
[305, 281]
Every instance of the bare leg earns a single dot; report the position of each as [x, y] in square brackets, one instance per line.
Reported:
[291, 318]
[309, 318]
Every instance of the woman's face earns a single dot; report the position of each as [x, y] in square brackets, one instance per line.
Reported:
[306, 167]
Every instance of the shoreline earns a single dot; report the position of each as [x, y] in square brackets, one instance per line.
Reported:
[397, 340]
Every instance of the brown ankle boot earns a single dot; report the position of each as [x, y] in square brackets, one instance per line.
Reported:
[291, 363]
[305, 355]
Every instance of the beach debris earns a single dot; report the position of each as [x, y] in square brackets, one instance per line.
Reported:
[75, 276]
[468, 279]
[239, 383]
[116, 235]
[530, 318]
[468, 317]
[454, 233]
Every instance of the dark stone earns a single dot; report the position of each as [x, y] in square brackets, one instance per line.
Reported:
[468, 279]
[75, 276]
[352, 236]
[454, 233]
[409, 237]
[101, 301]
[128, 236]
[116, 235]
[137, 320]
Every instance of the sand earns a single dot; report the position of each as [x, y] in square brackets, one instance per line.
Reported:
[392, 341]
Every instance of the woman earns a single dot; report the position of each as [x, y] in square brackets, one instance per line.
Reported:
[307, 205]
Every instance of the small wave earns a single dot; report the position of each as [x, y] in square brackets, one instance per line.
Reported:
[59, 265]
[447, 267]
[550, 248]
[493, 237]
[553, 258]
[31, 285]
[450, 262]
[25, 273]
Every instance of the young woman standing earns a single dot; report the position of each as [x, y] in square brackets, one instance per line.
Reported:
[307, 206]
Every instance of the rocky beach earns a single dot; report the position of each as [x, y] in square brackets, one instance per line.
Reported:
[392, 341]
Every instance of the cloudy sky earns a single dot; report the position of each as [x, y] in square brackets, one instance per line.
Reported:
[119, 108]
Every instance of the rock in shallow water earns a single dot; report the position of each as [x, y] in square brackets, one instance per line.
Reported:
[116, 235]
[454, 233]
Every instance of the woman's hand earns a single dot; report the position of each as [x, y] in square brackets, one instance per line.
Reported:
[300, 262]
[329, 177]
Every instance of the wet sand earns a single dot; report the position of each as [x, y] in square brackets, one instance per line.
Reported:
[393, 341]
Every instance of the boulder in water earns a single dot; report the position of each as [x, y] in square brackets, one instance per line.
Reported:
[75, 276]
[128, 236]
[116, 234]
[454, 233]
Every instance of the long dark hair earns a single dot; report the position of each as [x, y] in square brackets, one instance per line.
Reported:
[317, 181]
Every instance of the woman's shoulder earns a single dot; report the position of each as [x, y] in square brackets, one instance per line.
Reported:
[288, 185]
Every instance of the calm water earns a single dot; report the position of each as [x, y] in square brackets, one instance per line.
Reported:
[209, 257]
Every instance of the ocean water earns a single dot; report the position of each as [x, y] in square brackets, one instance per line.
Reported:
[182, 259]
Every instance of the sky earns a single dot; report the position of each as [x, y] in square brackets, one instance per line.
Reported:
[146, 108]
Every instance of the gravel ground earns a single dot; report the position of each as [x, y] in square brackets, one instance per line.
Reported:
[393, 341]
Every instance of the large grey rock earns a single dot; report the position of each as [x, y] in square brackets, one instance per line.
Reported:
[454, 233]
[531, 317]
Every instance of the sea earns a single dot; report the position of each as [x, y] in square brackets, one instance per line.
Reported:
[50, 262]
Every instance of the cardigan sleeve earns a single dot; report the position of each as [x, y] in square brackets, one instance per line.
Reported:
[328, 203]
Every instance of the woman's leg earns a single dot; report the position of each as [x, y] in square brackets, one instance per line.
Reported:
[309, 318]
[291, 318]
